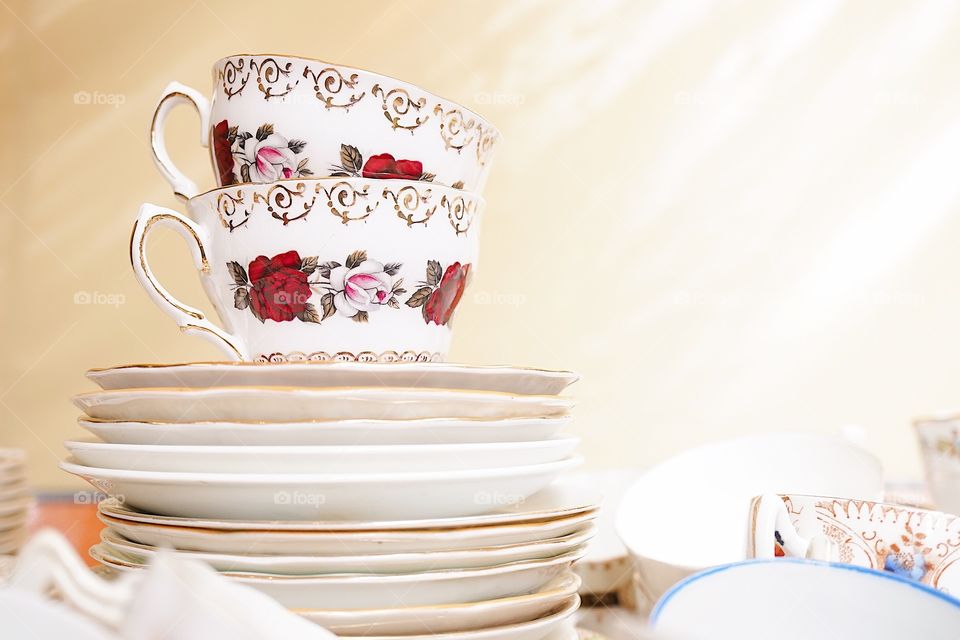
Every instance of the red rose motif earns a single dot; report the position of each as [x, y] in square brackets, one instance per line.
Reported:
[385, 167]
[279, 289]
[445, 298]
[223, 153]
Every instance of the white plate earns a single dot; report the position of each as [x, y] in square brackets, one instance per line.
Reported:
[344, 542]
[290, 496]
[291, 404]
[792, 599]
[332, 432]
[351, 591]
[376, 563]
[421, 375]
[401, 458]
[532, 630]
[559, 500]
[447, 618]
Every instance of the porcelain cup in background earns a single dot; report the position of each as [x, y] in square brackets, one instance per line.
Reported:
[274, 117]
[345, 269]
[910, 542]
[939, 438]
[702, 499]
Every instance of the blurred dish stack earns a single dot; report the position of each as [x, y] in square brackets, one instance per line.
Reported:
[15, 500]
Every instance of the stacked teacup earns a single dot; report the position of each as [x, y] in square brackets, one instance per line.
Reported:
[336, 462]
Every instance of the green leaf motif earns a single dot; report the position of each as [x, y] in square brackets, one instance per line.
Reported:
[355, 259]
[237, 272]
[263, 131]
[419, 297]
[326, 267]
[241, 298]
[309, 265]
[351, 158]
[326, 302]
[434, 271]
[309, 314]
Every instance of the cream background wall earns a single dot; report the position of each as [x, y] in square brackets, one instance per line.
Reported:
[729, 216]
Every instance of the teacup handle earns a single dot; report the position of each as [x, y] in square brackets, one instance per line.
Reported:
[770, 516]
[189, 320]
[176, 94]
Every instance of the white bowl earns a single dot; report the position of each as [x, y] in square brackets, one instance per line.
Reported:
[320, 459]
[294, 404]
[705, 495]
[384, 563]
[329, 432]
[352, 591]
[793, 599]
[420, 375]
[328, 496]
[447, 618]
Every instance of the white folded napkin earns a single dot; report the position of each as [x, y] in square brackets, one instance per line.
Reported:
[178, 599]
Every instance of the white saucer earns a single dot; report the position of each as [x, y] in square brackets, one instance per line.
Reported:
[330, 432]
[353, 591]
[447, 618]
[384, 563]
[404, 458]
[321, 542]
[292, 404]
[336, 374]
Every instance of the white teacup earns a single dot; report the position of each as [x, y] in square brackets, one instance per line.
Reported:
[909, 542]
[278, 117]
[939, 438]
[344, 269]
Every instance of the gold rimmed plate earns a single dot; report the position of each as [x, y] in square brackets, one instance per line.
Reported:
[422, 375]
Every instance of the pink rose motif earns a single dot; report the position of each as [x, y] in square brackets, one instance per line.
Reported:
[270, 159]
[363, 288]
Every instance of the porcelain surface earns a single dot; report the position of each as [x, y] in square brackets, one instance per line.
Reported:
[292, 404]
[346, 497]
[382, 563]
[420, 375]
[336, 270]
[803, 599]
[716, 484]
[558, 500]
[319, 459]
[328, 432]
[273, 116]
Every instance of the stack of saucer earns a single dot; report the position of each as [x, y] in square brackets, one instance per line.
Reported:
[375, 499]
[15, 500]
[337, 464]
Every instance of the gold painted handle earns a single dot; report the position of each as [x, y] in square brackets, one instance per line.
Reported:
[177, 94]
[189, 320]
